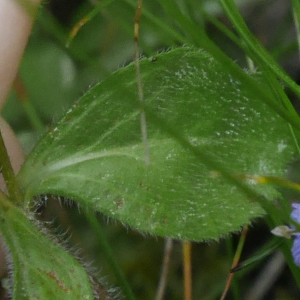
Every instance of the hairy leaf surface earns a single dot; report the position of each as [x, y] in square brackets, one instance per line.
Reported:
[41, 269]
[95, 156]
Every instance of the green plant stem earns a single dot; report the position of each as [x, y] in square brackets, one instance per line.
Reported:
[143, 120]
[259, 52]
[33, 117]
[163, 26]
[8, 173]
[59, 33]
[227, 32]
[296, 14]
[262, 253]
[93, 13]
[4, 202]
[282, 97]
[235, 261]
[234, 284]
[108, 254]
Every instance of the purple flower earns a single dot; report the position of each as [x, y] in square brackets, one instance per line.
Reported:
[289, 231]
[296, 249]
[295, 215]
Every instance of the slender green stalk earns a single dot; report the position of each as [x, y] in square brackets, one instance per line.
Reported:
[191, 29]
[59, 33]
[235, 261]
[143, 120]
[295, 138]
[227, 32]
[105, 247]
[160, 24]
[296, 14]
[4, 203]
[86, 19]
[259, 52]
[282, 98]
[33, 117]
[8, 173]
[263, 252]
[284, 50]
[235, 284]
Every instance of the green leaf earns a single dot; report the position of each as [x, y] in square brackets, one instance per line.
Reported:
[41, 269]
[95, 156]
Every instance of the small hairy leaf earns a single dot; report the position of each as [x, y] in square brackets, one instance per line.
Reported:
[41, 269]
[95, 156]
